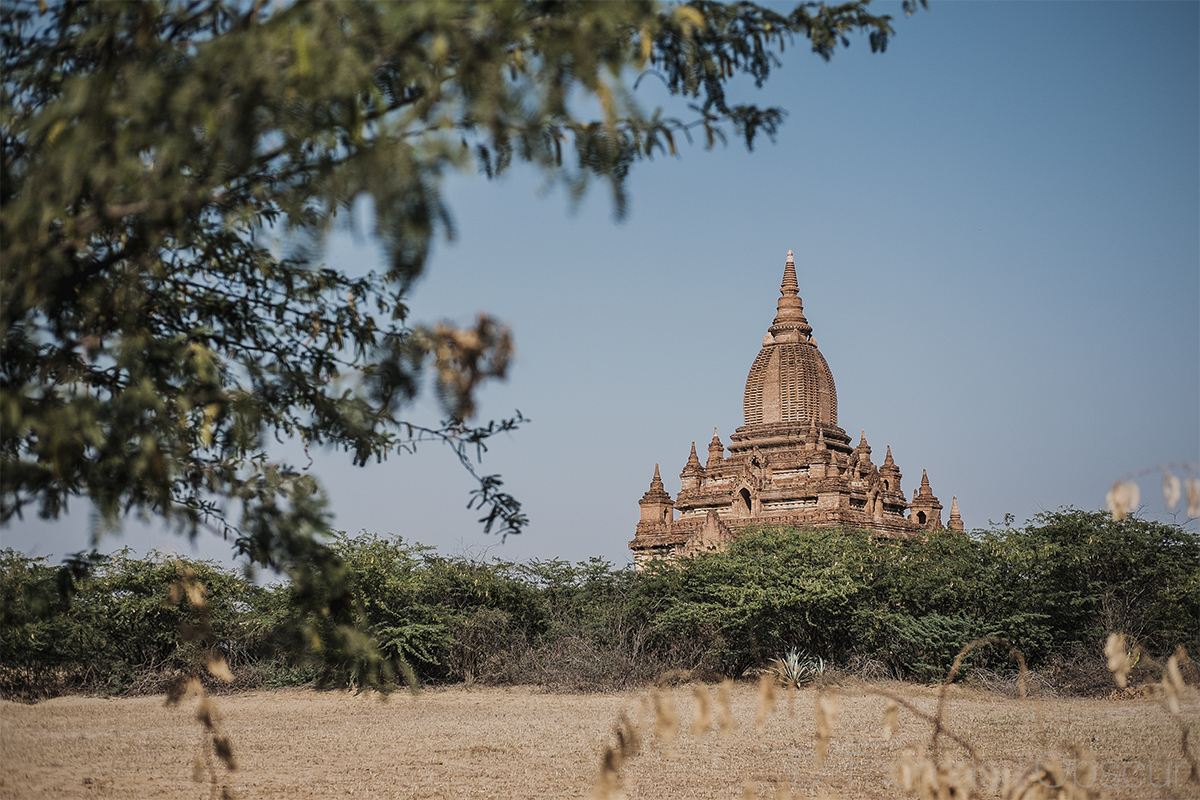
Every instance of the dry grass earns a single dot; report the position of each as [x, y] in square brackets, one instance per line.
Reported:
[471, 743]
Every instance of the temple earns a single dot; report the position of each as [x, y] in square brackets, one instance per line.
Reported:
[789, 464]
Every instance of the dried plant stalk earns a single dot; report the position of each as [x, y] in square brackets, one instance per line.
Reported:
[666, 723]
[725, 718]
[214, 662]
[1050, 779]
[608, 785]
[939, 723]
[223, 747]
[629, 744]
[1174, 688]
[766, 700]
[932, 719]
[1172, 684]
[204, 712]
[905, 770]
[1174, 673]
[608, 782]
[891, 719]
[182, 688]
[827, 711]
[1118, 658]
[215, 742]
[1172, 489]
[701, 711]
[198, 768]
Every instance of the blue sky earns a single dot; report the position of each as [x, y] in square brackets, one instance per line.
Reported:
[997, 240]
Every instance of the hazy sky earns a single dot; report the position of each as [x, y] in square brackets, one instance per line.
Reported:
[997, 240]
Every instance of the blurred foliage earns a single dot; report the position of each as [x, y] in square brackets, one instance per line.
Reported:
[170, 171]
[1055, 587]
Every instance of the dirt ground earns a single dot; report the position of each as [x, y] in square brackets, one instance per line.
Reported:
[521, 743]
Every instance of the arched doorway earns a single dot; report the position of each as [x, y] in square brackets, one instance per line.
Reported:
[746, 506]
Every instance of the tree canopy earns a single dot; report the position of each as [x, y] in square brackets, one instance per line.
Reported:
[170, 171]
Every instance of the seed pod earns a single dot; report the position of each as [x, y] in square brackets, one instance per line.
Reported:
[724, 711]
[1171, 488]
[701, 711]
[1118, 658]
[666, 723]
[766, 699]
[827, 711]
[891, 721]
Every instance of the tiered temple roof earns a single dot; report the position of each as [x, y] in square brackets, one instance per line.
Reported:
[789, 464]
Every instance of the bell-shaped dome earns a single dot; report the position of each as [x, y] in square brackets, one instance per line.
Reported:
[789, 381]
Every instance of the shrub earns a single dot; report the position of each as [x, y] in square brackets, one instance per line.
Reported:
[1054, 589]
[107, 630]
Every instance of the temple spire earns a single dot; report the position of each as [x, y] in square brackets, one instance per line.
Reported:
[692, 476]
[790, 324]
[924, 490]
[657, 505]
[926, 510]
[716, 451]
[887, 461]
[656, 494]
[790, 286]
[955, 522]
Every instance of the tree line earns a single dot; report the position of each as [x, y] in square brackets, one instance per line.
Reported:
[900, 608]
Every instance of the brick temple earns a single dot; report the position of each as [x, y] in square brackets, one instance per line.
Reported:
[789, 464]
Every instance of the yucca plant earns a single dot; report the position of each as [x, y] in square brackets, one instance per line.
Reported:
[796, 668]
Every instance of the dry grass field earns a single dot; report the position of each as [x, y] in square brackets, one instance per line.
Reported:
[521, 743]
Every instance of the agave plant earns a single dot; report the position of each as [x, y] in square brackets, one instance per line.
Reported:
[796, 668]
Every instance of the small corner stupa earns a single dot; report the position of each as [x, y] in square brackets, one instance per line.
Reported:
[789, 464]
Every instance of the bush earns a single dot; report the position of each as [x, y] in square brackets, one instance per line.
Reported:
[1054, 589]
[1072, 577]
[1057, 586]
[111, 630]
